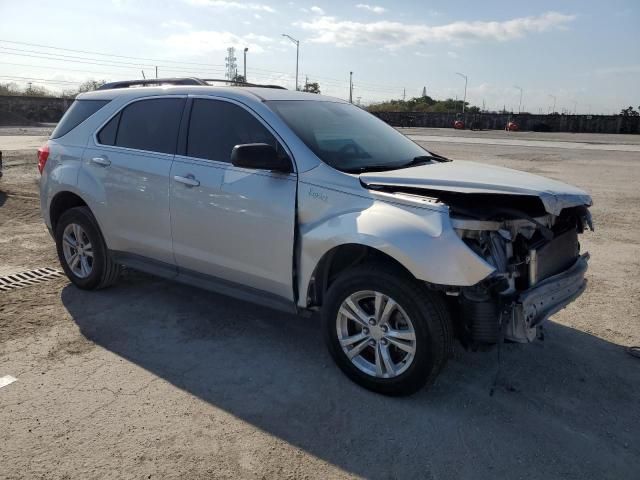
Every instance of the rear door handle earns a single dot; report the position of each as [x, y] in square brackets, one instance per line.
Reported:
[189, 180]
[102, 161]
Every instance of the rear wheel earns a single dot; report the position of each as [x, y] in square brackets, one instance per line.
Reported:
[82, 251]
[385, 330]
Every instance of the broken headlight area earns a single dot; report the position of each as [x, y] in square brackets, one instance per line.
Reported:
[538, 270]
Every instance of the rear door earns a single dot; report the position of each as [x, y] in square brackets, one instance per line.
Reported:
[130, 162]
[233, 223]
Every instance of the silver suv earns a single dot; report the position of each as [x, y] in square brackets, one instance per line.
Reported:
[303, 202]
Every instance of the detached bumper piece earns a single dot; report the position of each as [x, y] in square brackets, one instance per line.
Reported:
[535, 305]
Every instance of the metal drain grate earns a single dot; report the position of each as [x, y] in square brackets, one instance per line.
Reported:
[28, 278]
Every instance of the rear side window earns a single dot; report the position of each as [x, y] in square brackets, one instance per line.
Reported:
[216, 127]
[78, 112]
[150, 125]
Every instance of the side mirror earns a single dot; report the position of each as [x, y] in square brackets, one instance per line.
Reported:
[260, 156]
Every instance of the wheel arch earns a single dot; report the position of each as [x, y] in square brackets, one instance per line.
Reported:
[61, 202]
[340, 258]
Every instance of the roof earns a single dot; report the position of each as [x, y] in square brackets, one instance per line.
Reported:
[247, 93]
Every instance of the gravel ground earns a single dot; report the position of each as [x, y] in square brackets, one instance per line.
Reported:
[151, 379]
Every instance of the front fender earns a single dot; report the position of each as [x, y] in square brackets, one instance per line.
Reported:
[421, 239]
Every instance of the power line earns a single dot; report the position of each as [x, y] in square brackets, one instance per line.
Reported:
[14, 78]
[104, 54]
[127, 66]
[374, 86]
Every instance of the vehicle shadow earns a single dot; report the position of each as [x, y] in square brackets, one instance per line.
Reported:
[568, 406]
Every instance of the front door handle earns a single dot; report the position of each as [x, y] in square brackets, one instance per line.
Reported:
[102, 161]
[189, 180]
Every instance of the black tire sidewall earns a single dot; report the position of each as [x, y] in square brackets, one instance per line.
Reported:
[83, 217]
[406, 293]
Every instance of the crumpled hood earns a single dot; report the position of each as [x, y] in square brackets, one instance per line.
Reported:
[471, 177]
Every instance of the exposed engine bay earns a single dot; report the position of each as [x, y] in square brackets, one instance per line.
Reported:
[539, 269]
[536, 255]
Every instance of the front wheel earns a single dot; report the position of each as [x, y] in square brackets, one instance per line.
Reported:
[385, 330]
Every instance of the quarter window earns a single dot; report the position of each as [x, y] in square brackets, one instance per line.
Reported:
[107, 135]
[217, 126]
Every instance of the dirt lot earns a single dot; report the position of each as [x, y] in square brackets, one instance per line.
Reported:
[151, 379]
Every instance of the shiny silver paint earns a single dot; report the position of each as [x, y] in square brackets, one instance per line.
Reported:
[471, 177]
[261, 229]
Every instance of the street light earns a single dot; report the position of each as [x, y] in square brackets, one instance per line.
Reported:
[297, 42]
[246, 49]
[520, 104]
[465, 89]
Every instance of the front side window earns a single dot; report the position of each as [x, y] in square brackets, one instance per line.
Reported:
[218, 126]
[150, 125]
[347, 137]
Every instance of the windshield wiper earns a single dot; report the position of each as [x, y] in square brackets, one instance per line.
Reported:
[422, 159]
[369, 168]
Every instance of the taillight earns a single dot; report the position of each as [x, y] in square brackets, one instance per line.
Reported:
[43, 154]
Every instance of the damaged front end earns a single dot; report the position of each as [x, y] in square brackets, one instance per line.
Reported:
[524, 225]
[539, 269]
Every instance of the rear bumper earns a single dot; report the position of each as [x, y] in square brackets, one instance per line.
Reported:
[551, 295]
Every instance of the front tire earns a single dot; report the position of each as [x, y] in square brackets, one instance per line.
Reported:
[82, 251]
[385, 330]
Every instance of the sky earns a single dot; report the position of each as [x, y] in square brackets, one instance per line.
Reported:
[583, 55]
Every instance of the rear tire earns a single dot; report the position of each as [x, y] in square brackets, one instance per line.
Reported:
[406, 348]
[82, 250]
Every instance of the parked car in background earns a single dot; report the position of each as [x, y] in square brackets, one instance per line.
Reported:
[303, 202]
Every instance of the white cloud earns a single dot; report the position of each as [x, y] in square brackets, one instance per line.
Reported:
[317, 10]
[176, 24]
[207, 41]
[372, 8]
[224, 4]
[452, 54]
[393, 35]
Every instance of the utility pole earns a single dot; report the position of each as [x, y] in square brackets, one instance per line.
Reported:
[246, 49]
[404, 93]
[143, 77]
[464, 100]
[350, 87]
[297, 42]
[553, 110]
[520, 104]
[156, 71]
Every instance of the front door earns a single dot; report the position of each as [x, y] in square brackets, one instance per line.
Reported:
[232, 223]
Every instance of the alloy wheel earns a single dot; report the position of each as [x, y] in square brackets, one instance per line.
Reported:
[78, 251]
[376, 334]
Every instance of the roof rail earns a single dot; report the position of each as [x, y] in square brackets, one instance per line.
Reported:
[152, 81]
[241, 84]
[179, 81]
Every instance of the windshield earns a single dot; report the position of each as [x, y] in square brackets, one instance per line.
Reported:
[347, 137]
